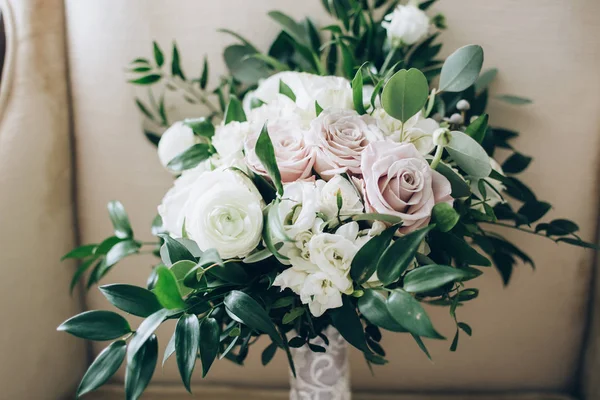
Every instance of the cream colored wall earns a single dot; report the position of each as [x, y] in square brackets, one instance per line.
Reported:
[36, 209]
[526, 336]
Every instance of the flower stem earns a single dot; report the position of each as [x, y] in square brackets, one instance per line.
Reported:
[437, 157]
[531, 232]
[388, 59]
[198, 95]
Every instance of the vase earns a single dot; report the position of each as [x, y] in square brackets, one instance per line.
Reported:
[322, 376]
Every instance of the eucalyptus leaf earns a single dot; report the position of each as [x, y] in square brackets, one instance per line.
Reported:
[461, 69]
[469, 155]
[460, 188]
[485, 79]
[405, 94]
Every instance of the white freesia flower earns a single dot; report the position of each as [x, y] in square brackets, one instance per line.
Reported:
[320, 293]
[351, 201]
[224, 211]
[229, 139]
[492, 197]
[172, 210]
[292, 279]
[406, 25]
[328, 91]
[174, 141]
[417, 130]
[298, 207]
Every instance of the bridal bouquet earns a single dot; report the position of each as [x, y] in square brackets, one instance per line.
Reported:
[345, 183]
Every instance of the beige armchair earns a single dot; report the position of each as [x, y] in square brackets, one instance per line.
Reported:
[70, 141]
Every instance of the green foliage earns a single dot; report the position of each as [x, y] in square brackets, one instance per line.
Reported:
[266, 155]
[405, 94]
[140, 368]
[409, 313]
[96, 325]
[461, 69]
[187, 339]
[131, 299]
[103, 368]
[209, 343]
[469, 155]
[364, 263]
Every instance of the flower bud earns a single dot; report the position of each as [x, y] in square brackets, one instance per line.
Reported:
[456, 119]
[463, 105]
[441, 137]
[406, 25]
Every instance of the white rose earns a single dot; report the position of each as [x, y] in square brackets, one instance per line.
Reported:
[320, 293]
[351, 201]
[224, 211]
[174, 141]
[171, 209]
[328, 91]
[406, 25]
[229, 139]
[417, 130]
[298, 207]
[340, 136]
[294, 157]
[280, 108]
[492, 197]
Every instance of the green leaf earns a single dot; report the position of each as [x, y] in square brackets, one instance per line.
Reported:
[158, 55]
[251, 313]
[346, 321]
[145, 331]
[118, 252]
[477, 128]
[460, 188]
[516, 163]
[444, 216]
[81, 252]
[461, 69]
[141, 368]
[174, 251]
[373, 307]
[514, 100]
[459, 249]
[84, 266]
[240, 38]
[190, 158]
[103, 367]
[244, 65]
[96, 325]
[409, 313]
[348, 61]
[234, 111]
[365, 261]
[286, 90]
[396, 258]
[176, 63]
[292, 315]
[469, 155]
[170, 349]
[146, 80]
[392, 219]
[565, 226]
[290, 26]
[266, 155]
[357, 92]
[421, 345]
[466, 328]
[268, 353]
[485, 79]
[167, 289]
[430, 277]
[187, 338]
[120, 220]
[209, 343]
[534, 210]
[201, 127]
[405, 94]
[204, 75]
[318, 108]
[131, 299]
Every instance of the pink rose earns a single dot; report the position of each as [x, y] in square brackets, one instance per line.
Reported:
[294, 157]
[398, 181]
[340, 137]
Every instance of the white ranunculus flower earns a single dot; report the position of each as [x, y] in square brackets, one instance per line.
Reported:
[298, 207]
[224, 211]
[171, 209]
[229, 139]
[320, 293]
[328, 91]
[174, 141]
[492, 197]
[417, 130]
[351, 201]
[406, 25]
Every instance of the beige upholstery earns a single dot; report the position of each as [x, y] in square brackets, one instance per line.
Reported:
[36, 216]
[526, 337]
